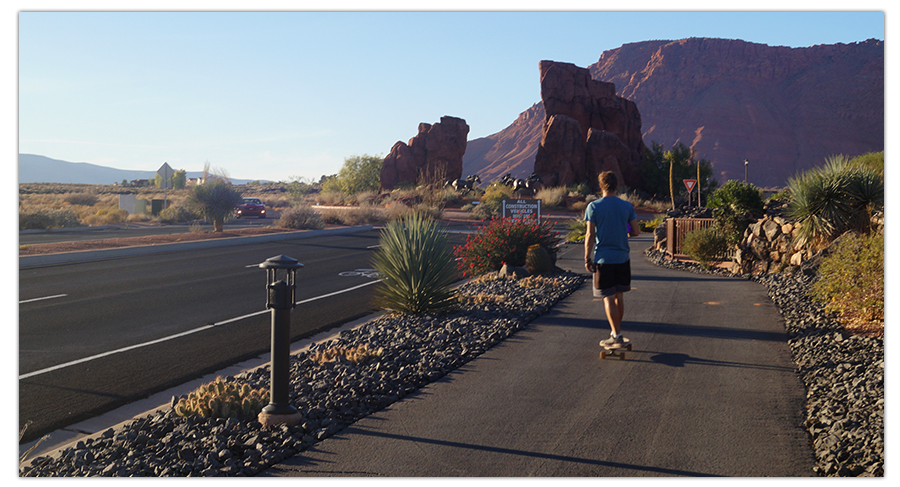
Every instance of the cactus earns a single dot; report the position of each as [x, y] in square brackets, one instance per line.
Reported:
[538, 260]
[220, 399]
[356, 355]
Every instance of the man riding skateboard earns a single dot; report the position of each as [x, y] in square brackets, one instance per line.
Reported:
[610, 221]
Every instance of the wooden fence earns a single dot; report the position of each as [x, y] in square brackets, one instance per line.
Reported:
[677, 228]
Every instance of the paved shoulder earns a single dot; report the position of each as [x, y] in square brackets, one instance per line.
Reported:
[709, 389]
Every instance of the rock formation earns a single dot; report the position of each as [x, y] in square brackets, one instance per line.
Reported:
[434, 154]
[785, 109]
[587, 129]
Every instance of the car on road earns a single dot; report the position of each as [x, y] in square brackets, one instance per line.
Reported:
[251, 207]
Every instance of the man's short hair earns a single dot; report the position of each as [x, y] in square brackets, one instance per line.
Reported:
[608, 181]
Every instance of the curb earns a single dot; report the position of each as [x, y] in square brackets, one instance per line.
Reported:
[89, 255]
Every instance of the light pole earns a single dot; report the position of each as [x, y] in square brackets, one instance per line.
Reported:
[746, 164]
[281, 297]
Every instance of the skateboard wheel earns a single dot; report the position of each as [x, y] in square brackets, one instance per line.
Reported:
[602, 354]
[622, 357]
[628, 347]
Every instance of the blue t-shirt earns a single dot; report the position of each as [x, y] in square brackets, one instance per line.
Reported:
[611, 215]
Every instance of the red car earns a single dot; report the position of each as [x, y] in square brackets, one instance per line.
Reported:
[250, 207]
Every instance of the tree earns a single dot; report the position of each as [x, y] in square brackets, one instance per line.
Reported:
[359, 173]
[659, 164]
[215, 200]
[179, 179]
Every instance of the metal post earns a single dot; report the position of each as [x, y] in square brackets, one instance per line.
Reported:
[746, 164]
[280, 298]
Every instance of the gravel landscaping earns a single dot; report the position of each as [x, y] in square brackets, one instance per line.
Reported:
[417, 350]
[843, 375]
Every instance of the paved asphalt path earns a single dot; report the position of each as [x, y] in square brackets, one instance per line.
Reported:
[709, 390]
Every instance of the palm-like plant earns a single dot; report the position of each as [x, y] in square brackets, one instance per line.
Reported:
[835, 198]
[417, 265]
[215, 200]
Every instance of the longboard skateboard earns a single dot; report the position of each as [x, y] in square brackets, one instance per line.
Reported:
[615, 351]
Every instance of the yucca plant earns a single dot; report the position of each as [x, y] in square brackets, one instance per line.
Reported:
[830, 200]
[417, 266]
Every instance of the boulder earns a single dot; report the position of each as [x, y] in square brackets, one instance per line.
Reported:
[608, 127]
[434, 155]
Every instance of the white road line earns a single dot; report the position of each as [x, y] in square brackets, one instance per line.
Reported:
[45, 297]
[178, 335]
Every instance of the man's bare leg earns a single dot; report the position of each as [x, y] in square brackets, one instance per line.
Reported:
[615, 311]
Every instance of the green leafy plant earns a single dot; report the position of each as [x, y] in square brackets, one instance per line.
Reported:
[851, 282]
[504, 240]
[737, 204]
[835, 198]
[490, 203]
[707, 246]
[417, 266]
[358, 174]
[221, 399]
[215, 200]
[577, 230]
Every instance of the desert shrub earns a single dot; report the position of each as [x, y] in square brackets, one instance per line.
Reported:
[396, 211]
[300, 217]
[417, 266]
[358, 354]
[104, 216]
[215, 200]
[707, 246]
[577, 230]
[552, 197]
[43, 218]
[504, 240]
[492, 200]
[835, 198]
[851, 281]
[331, 198]
[358, 174]
[177, 214]
[582, 188]
[84, 199]
[650, 225]
[362, 215]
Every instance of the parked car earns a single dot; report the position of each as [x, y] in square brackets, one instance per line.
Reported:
[250, 207]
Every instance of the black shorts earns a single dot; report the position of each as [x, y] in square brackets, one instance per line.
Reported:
[610, 279]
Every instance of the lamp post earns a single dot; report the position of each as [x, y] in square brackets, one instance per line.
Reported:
[746, 164]
[281, 293]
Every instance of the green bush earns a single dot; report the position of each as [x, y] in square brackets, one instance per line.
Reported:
[851, 281]
[577, 230]
[706, 246]
[215, 200]
[650, 225]
[491, 202]
[358, 174]
[835, 198]
[504, 240]
[417, 266]
[300, 217]
[737, 197]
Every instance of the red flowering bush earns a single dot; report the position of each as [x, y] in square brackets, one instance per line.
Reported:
[502, 241]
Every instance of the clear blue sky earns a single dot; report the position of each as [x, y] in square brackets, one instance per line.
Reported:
[278, 95]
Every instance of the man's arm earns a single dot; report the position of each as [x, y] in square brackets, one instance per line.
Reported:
[635, 228]
[589, 242]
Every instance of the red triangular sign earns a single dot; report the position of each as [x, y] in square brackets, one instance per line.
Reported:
[689, 184]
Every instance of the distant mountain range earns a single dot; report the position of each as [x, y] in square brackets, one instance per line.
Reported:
[783, 109]
[39, 169]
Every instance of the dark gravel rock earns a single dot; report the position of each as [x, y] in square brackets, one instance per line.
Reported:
[843, 374]
[417, 350]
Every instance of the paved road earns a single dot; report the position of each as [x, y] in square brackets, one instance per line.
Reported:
[709, 390]
[102, 306]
